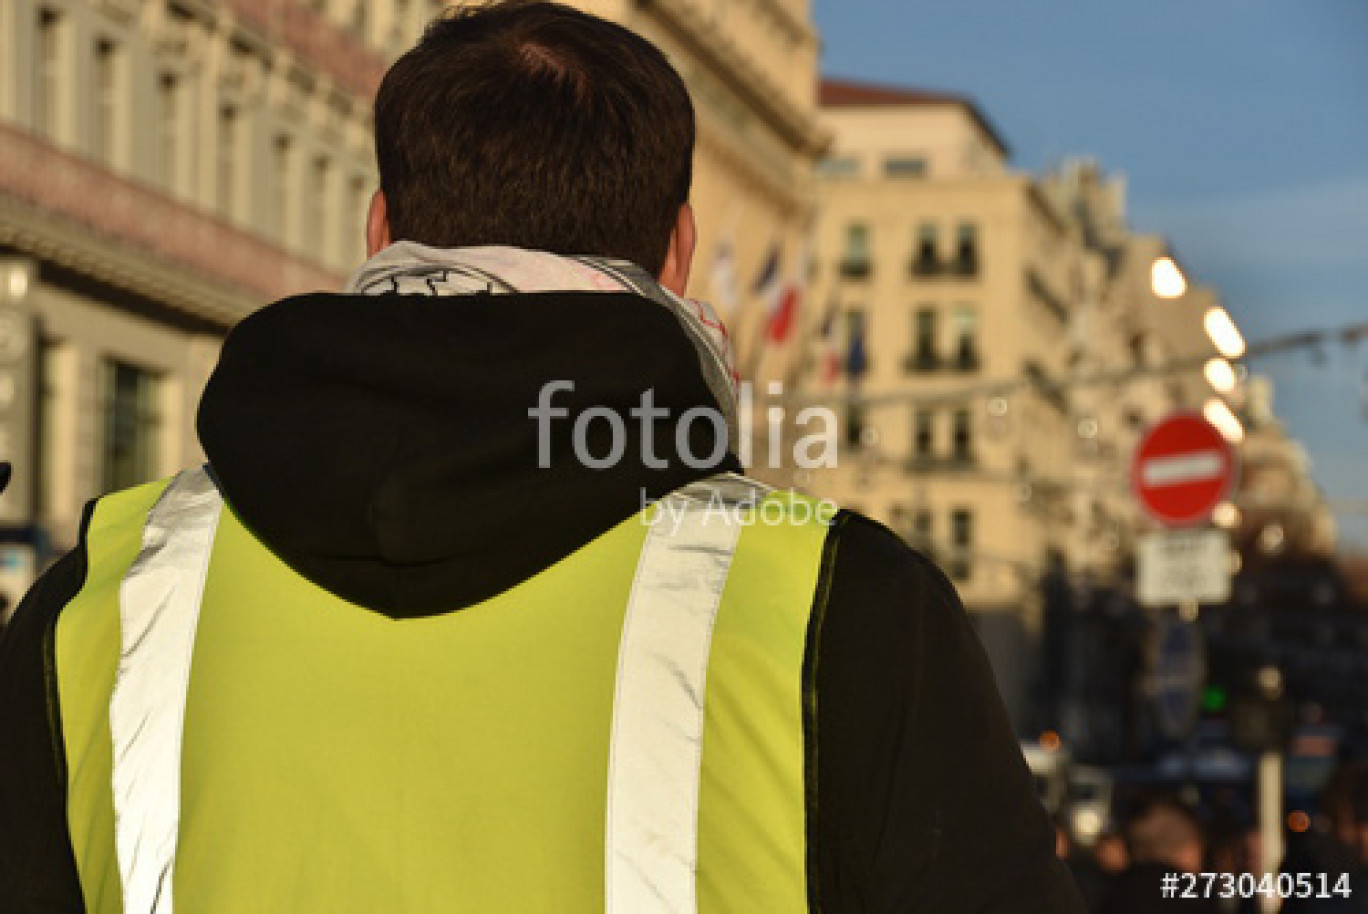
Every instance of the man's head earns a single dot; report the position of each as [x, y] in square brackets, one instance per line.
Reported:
[1164, 830]
[535, 125]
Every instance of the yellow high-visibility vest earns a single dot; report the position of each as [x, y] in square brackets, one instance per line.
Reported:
[623, 732]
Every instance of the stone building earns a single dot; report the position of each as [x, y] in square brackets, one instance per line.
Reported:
[1011, 350]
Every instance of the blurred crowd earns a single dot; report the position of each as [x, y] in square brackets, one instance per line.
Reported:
[1122, 871]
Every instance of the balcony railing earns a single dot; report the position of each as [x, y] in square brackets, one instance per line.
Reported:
[856, 267]
[926, 264]
[967, 358]
[922, 361]
[955, 461]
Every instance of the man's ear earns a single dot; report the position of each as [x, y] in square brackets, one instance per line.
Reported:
[377, 225]
[679, 260]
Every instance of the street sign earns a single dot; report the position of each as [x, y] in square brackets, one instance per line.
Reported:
[1177, 674]
[1183, 566]
[1182, 470]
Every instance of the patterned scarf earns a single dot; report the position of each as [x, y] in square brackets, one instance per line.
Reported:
[408, 268]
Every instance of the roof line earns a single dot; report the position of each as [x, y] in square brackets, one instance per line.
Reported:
[836, 92]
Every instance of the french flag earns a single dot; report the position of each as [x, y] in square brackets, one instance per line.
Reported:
[782, 298]
[784, 313]
[857, 358]
[767, 283]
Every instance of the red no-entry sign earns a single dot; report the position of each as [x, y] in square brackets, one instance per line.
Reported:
[1182, 470]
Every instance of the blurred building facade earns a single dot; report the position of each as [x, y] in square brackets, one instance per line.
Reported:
[1000, 350]
[168, 166]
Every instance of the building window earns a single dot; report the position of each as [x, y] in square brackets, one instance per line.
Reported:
[358, 203]
[966, 250]
[922, 531]
[226, 185]
[856, 425]
[48, 443]
[283, 189]
[49, 67]
[855, 263]
[924, 356]
[105, 123]
[399, 25]
[966, 338]
[926, 260]
[845, 167]
[961, 566]
[905, 167]
[897, 519]
[923, 435]
[319, 223]
[169, 126]
[963, 436]
[132, 423]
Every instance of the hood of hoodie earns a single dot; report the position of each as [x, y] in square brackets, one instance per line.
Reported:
[385, 445]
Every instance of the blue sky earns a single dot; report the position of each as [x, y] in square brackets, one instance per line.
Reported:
[1241, 125]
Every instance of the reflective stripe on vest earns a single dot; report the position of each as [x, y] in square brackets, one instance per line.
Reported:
[652, 828]
[657, 743]
[159, 606]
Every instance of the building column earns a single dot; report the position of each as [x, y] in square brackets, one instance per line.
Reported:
[19, 390]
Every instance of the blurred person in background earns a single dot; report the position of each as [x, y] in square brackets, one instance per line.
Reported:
[1110, 852]
[1234, 849]
[401, 647]
[1163, 835]
[1335, 844]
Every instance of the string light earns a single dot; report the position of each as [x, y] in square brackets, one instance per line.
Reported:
[1225, 336]
[1167, 280]
[1219, 415]
[1220, 374]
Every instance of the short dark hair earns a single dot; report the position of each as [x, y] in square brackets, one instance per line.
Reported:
[535, 125]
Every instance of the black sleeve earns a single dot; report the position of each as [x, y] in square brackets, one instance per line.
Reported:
[37, 867]
[923, 800]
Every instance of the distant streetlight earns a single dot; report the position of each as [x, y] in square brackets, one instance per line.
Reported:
[1221, 375]
[16, 283]
[1225, 421]
[1167, 280]
[1225, 336]
[1226, 516]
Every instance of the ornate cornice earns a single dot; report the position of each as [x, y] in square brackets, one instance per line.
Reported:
[796, 127]
[799, 28]
[128, 235]
[318, 44]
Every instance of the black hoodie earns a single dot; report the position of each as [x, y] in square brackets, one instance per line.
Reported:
[382, 446]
